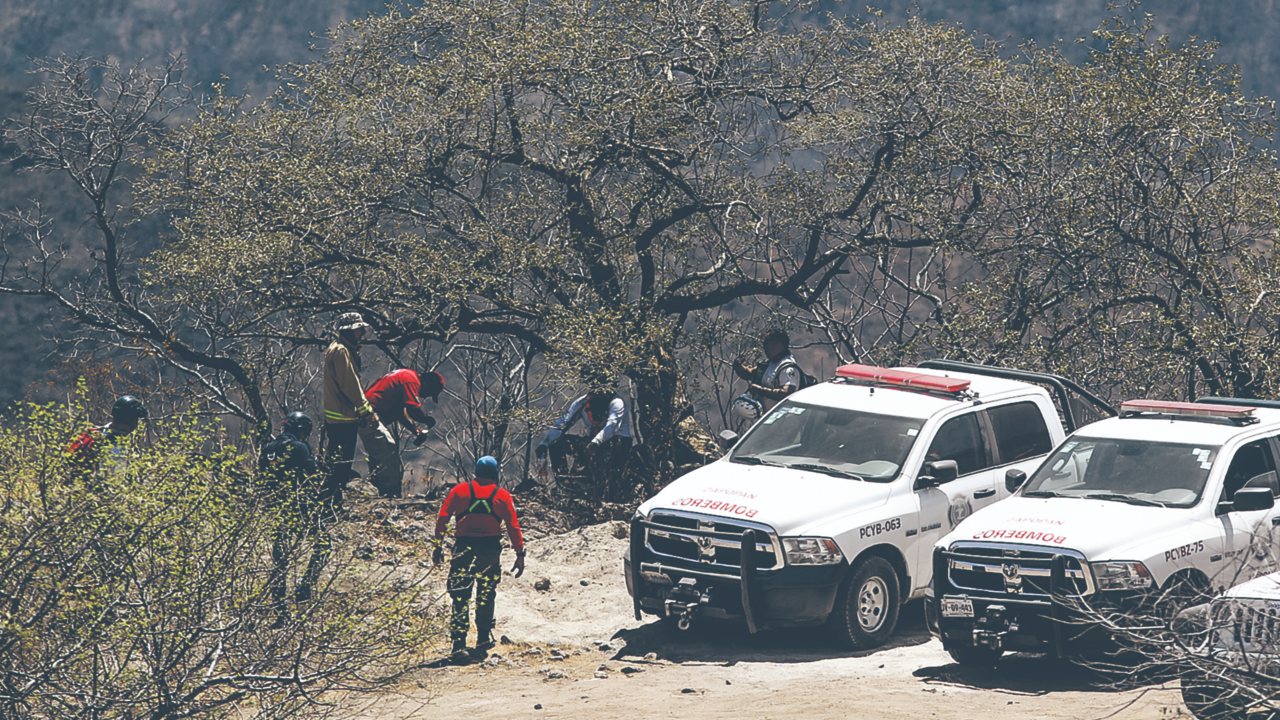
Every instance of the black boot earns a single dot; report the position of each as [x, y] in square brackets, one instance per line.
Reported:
[484, 641]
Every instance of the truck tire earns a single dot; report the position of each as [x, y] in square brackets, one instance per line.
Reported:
[1179, 593]
[1208, 701]
[970, 656]
[867, 607]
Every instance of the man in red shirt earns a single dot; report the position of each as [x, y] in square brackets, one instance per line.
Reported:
[481, 508]
[395, 398]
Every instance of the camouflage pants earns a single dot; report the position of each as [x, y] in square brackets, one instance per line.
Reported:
[476, 563]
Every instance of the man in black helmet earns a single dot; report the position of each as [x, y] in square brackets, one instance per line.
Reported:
[292, 480]
[86, 451]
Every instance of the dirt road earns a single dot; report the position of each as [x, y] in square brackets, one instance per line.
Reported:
[576, 652]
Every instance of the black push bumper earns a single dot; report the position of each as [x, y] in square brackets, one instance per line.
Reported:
[761, 597]
[1058, 624]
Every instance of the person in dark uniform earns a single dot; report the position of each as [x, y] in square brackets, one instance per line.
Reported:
[780, 374]
[481, 508]
[293, 481]
[86, 451]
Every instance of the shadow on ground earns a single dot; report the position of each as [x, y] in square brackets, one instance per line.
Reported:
[728, 642]
[1021, 674]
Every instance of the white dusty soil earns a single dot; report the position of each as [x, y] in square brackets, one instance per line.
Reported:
[577, 652]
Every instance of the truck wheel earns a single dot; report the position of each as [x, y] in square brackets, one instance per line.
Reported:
[970, 656]
[867, 607]
[1180, 593]
[1208, 701]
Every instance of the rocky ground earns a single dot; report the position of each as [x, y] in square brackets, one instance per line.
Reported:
[572, 649]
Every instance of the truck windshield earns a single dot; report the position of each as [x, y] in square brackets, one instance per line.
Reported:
[835, 441]
[1133, 471]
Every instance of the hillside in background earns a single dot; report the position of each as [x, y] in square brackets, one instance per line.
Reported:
[232, 38]
[241, 40]
[1246, 29]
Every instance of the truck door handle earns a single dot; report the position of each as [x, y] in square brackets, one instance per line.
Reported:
[1275, 520]
[981, 494]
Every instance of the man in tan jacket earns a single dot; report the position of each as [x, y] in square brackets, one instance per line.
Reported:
[347, 413]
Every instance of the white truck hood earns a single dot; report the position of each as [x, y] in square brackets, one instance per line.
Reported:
[1266, 587]
[789, 501]
[1100, 529]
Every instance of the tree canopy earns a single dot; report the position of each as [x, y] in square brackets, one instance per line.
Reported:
[600, 185]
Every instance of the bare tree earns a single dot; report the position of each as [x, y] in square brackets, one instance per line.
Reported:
[1221, 647]
[435, 171]
[95, 122]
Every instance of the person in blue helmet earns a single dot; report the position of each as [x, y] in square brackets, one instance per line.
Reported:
[481, 509]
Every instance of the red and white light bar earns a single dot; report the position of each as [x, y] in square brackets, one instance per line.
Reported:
[902, 378]
[1168, 407]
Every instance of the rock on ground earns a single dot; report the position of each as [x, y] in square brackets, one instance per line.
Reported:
[577, 653]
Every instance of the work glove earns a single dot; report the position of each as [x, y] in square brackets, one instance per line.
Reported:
[518, 568]
[421, 438]
[437, 555]
[540, 452]
[371, 420]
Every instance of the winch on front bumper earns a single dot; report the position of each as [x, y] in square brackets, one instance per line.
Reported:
[1006, 597]
[683, 565]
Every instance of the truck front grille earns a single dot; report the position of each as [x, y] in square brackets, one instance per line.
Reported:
[1253, 627]
[992, 569]
[711, 542]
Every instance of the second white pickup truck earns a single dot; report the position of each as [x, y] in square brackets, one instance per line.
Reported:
[1129, 518]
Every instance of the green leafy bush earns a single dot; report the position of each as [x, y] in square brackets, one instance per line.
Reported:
[141, 588]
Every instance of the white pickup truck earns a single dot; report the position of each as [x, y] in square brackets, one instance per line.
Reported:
[828, 508]
[1129, 518]
[1231, 645]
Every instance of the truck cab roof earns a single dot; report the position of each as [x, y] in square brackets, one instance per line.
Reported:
[910, 402]
[1181, 430]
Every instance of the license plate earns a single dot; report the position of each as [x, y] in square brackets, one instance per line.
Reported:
[957, 607]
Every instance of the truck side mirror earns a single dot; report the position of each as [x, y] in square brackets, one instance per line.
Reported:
[1014, 479]
[937, 472]
[728, 439]
[1248, 499]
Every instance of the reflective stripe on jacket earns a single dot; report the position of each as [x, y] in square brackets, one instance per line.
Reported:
[344, 400]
